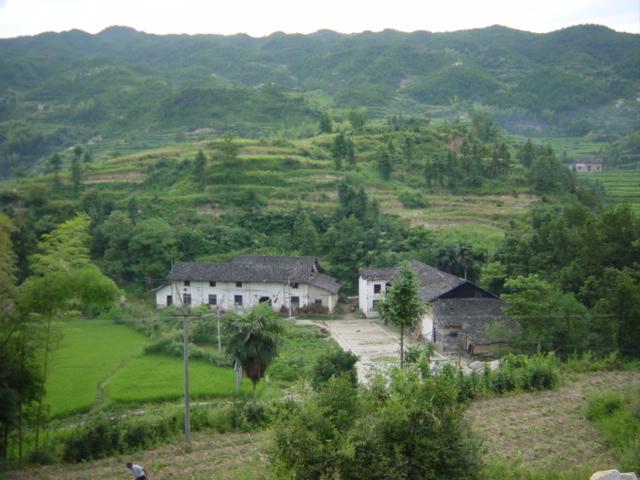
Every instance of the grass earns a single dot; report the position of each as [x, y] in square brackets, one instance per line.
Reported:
[90, 351]
[153, 378]
[617, 416]
[101, 362]
[544, 431]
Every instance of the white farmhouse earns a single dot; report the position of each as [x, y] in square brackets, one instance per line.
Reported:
[245, 281]
[459, 314]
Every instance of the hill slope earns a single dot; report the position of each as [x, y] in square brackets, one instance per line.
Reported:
[59, 89]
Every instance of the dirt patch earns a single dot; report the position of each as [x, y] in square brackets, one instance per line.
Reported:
[548, 429]
[130, 177]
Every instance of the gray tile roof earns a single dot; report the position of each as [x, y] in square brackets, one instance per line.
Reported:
[472, 316]
[259, 269]
[433, 282]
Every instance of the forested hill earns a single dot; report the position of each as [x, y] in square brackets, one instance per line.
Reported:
[59, 89]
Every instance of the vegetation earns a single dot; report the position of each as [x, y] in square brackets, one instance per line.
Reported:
[253, 340]
[402, 305]
[412, 428]
[616, 415]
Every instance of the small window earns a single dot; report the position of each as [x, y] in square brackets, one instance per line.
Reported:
[212, 284]
[238, 284]
[318, 301]
[237, 299]
[377, 288]
[294, 284]
[187, 298]
[169, 300]
[375, 304]
[187, 283]
[213, 300]
[295, 300]
[453, 334]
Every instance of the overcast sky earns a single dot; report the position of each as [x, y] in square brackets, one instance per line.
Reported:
[262, 17]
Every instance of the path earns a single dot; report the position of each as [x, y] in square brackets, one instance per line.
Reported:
[376, 344]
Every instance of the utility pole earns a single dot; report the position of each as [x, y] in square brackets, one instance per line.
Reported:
[185, 338]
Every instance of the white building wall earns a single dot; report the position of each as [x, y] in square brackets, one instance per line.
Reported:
[427, 327]
[367, 297]
[251, 292]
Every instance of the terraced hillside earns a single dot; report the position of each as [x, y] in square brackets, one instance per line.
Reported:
[301, 173]
[620, 186]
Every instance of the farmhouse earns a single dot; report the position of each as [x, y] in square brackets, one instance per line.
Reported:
[245, 281]
[593, 164]
[460, 310]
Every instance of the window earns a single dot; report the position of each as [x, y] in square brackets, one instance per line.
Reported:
[295, 300]
[238, 284]
[187, 283]
[375, 304]
[186, 298]
[212, 284]
[318, 301]
[237, 299]
[169, 300]
[294, 284]
[377, 288]
[213, 300]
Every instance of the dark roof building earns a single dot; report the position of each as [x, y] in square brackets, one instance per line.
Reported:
[460, 309]
[257, 269]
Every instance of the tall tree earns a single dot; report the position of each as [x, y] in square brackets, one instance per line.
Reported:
[253, 340]
[402, 305]
[325, 123]
[55, 163]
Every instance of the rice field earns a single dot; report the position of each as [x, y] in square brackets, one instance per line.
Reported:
[620, 186]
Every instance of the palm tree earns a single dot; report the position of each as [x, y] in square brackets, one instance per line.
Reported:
[253, 340]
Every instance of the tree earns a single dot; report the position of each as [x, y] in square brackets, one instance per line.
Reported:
[358, 117]
[402, 305]
[305, 235]
[339, 149]
[325, 123]
[55, 163]
[152, 249]
[76, 173]
[550, 320]
[460, 260]
[228, 150]
[384, 159]
[253, 340]
[199, 166]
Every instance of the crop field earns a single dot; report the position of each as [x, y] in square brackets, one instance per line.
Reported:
[102, 362]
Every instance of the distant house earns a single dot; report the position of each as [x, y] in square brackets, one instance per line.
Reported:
[460, 310]
[245, 281]
[592, 164]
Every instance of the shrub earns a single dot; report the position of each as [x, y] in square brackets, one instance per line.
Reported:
[603, 405]
[411, 199]
[334, 364]
[380, 432]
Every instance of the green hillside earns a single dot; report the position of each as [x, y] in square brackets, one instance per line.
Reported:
[60, 89]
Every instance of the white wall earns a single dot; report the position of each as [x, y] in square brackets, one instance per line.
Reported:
[366, 296]
[251, 292]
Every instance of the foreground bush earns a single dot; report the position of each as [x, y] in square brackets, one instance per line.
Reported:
[410, 428]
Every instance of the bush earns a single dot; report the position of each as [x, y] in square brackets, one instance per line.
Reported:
[604, 405]
[410, 427]
[334, 364]
[411, 199]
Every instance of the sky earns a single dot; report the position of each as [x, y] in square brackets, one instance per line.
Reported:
[262, 17]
